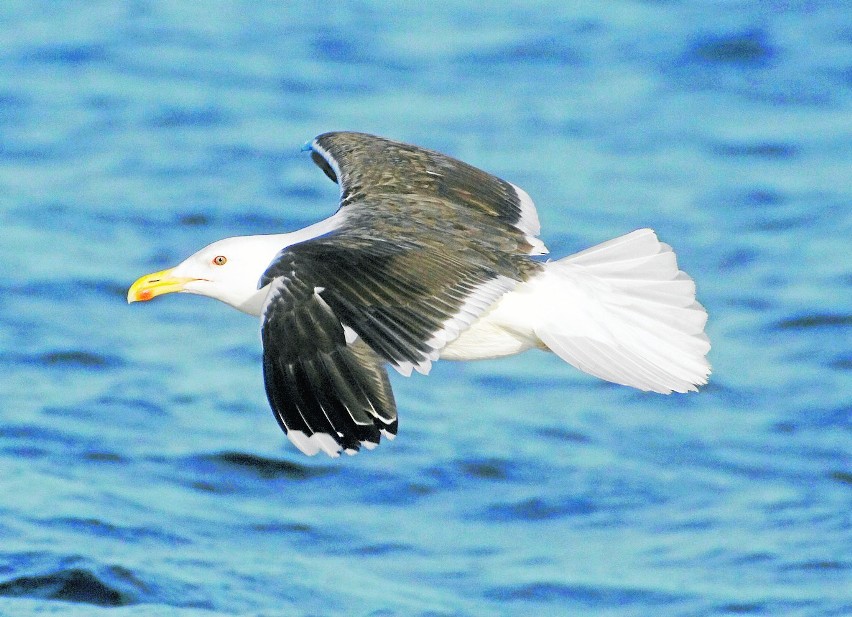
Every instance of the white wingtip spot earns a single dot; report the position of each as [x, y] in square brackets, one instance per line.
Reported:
[327, 443]
[312, 444]
[303, 442]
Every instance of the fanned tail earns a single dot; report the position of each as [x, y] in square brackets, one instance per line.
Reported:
[624, 312]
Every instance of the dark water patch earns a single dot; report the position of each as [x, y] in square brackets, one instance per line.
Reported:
[750, 558]
[739, 258]
[695, 524]
[298, 193]
[584, 595]
[124, 404]
[827, 566]
[44, 153]
[337, 48]
[814, 321]
[259, 222]
[784, 427]
[345, 50]
[555, 50]
[103, 529]
[36, 442]
[13, 111]
[178, 117]
[246, 353]
[750, 302]
[744, 608]
[68, 54]
[194, 219]
[785, 223]
[104, 102]
[758, 150]
[78, 358]
[102, 456]
[448, 477]
[270, 469]
[73, 585]
[486, 469]
[843, 363]
[420, 489]
[298, 86]
[747, 49]
[256, 157]
[763, 197]
[536, 509]
[278, 527]
[13, 100]
[33, 433]
[27, 452]
[128, 411]
[183, 398]
[563, 434]
[385, 548]
[844, 477]
[210, 487]
[46, 215]
[758, 470]
[393, 489]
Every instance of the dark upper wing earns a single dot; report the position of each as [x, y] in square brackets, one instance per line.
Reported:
[326, 394]
[405, 300]
[368, 167]
[423, 246]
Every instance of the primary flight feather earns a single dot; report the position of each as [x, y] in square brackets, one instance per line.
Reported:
[427, 258]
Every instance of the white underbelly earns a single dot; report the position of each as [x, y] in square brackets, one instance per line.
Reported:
[503, 330]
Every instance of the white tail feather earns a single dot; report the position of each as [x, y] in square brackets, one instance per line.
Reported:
[624, 312]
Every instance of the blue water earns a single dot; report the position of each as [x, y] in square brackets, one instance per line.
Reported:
[141, 472]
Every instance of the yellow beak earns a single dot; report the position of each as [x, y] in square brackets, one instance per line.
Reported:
[155, 284]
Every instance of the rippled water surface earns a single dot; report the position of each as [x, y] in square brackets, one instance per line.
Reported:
[141, 472]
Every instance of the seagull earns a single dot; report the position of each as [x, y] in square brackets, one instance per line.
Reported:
[430, 258]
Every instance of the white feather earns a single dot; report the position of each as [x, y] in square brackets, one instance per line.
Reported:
[312, 444]
[621, 311]
[529, 223]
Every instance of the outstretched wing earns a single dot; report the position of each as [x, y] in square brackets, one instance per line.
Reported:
[367, 168]
[327, 394]
[422, 246]
[406, 302]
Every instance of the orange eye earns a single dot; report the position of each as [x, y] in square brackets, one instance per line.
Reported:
[220, 260]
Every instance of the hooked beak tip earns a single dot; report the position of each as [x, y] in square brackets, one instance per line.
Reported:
[155, 284]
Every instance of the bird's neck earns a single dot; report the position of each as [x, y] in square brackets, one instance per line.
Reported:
[269, 246]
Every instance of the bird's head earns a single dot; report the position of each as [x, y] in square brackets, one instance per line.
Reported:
[227, 270]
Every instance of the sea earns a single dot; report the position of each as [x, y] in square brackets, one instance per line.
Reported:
[141, 470]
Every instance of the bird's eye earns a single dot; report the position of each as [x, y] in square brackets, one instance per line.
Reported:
[220, 260]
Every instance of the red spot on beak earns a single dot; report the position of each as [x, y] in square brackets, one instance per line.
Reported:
[145, 295]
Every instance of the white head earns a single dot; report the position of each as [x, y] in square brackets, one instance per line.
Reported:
[228, 270]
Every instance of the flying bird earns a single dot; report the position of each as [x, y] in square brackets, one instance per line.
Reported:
[430, 258]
